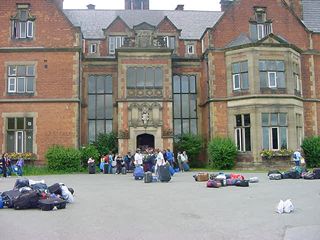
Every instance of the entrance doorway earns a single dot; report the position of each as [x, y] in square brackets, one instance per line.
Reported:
[144, 141]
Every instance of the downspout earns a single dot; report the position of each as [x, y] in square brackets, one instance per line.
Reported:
[80, 91]
[208, 96]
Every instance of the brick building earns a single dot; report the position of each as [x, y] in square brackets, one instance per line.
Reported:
[250, 72]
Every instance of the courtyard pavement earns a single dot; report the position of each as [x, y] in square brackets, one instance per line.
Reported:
[117, 207]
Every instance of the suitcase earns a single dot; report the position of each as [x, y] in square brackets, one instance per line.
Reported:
[138, 173]
[26, 200]
[148, 177]
[242, 183]
[105, 168]
[49, 203]
[172, 171]
[124, 170]
[164, 174]
[21, 182]
[213, 184]
[91, 168]
[55, 188]
[185, 166]
[9, 197]
[275, 176]
[202, 177]
[316, 172]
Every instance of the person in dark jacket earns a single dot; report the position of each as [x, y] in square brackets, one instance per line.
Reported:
[4, 167]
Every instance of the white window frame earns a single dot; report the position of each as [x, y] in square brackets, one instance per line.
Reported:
[17, 141]
[260, 31]
[267, 28]
[22, 34]
[12, 84]
[190, 47]
[114, 43]
[234, 76]
[14, 69]
[202, 45]
[298, 85]
[241, 138]
[29, 29]
[24, 84]
[93, 48]
[275, 79]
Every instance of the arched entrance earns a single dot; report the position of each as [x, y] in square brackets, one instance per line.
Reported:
[144, 141]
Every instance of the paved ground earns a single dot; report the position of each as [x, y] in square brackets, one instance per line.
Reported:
[117, 207]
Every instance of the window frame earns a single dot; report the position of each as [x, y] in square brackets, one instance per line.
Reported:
[16, 81]
[234, 81]
[270, 79]
[192, 48]
[240, 133]
[93, 48]
[113, 41]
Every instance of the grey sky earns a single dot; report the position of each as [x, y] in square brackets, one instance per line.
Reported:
[207, 5]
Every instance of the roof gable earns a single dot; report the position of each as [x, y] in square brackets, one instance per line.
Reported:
[167, 26]
[118, 25]
[144, 26]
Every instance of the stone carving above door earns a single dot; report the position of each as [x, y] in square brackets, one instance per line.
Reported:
[145, 115]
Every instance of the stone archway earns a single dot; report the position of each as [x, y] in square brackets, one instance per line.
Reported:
[144, 141]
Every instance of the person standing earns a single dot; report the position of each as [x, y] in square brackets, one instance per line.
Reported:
[179, 158]
[297, 157]
[19, 165]
[170, 157]
[138, 158]
[4, 167]
[159, 161]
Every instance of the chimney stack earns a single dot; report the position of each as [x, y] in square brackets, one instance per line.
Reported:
[91, 7]
[180, 7]
[225, 4]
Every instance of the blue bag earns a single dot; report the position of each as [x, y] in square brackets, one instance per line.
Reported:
[185, 166]
[138, 173]
[172, 171]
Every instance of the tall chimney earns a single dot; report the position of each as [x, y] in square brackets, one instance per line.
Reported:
[296, 6]
[91, 7]
[225, 4]
[180, 7]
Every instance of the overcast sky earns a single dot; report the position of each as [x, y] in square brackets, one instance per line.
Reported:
[207, 5]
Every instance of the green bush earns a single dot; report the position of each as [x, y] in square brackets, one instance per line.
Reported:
[222, 153]
[87, 152]
[63, 159]
[106, 142]
[311, 149]
[192, 144]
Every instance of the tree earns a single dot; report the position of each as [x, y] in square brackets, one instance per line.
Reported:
[106, 142]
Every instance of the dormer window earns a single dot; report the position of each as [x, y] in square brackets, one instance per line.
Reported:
[22, 23]
[260, 26]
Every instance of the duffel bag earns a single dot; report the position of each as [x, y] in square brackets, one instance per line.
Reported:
[274, 172]
[49, 203]
[213, 184]
[275, 176]
[309, 176]
[55, 188]
[242, 183]
[316, 172]
[26, 200]
[21, 182]
[8, 197]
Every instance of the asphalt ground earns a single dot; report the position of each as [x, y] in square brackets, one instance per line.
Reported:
[118, 207]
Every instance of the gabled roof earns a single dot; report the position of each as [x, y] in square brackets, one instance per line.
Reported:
[311, 14]
[192, 23]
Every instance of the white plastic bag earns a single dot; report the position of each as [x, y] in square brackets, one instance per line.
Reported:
[280, 207]
[288, 206]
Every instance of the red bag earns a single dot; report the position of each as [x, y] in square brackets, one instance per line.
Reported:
[236, 176]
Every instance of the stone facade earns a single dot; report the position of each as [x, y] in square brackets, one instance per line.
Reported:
[150, 75]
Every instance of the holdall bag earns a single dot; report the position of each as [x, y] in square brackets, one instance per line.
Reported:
[275, 176]
[49, 203]
[8, 197]
[242, 183]
[147, 177]
[213, 184]
[55, 188]
[285, 175]
[172, 171]
[316, 172]
[21, 182]
[201, 177]
[164, 174]
[26, 200]
[309, 176]
[185, 166]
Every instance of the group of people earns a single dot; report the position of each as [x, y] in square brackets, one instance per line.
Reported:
[150, 159]
[7, 167]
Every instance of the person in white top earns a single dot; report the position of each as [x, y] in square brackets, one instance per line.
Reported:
[138, 158]
[159, 161]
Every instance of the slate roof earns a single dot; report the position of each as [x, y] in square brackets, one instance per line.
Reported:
[192, 23]
[311, 14]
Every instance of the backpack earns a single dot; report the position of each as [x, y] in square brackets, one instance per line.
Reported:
[275, 176]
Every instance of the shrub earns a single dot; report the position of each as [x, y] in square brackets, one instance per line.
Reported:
[192, 144]
[222, 153]
[106, 142]
[87, 152]
[63, 159]
[311, 149]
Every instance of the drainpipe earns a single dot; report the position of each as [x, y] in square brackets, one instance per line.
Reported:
[208, 97]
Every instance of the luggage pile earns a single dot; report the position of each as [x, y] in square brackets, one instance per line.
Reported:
[295, 173]
[164, 174]
[222, 180]
[29, 194]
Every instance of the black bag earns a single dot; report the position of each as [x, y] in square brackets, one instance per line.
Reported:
[55, 188]
[164, 174]
[285, 175]
[40, 187]
[294, 174]
[21, 182]
[242, 183]
[274, 172]
[91, 168]
[316, 172]
[309, 176]
[9, 197]
[124, 170]
[49, 203]
[147, 177]
[26, 200]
